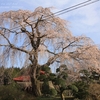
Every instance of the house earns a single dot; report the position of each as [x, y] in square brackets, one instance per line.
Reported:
[25, 81]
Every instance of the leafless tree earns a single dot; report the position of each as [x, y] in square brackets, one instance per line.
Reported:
[41, 39]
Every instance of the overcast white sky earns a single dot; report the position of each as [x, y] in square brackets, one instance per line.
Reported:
[85, 20]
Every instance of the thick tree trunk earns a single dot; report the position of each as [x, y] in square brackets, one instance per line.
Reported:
[35, 87]
[36, 90]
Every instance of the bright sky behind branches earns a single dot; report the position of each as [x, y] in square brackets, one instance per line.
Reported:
[85, 20]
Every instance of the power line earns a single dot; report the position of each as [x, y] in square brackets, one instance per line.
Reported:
[69, 8]
[48, 16]
[61, 10]
[66, 10]
[73, 8]
[77, 7]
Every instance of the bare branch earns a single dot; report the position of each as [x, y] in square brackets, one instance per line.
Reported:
[6, 38]
[52, 60]
[9, 30]
[51, 52]
[39, 19]
[12, 46]
[68, 45]
[3, 45]
[42, 36]
[16, 48]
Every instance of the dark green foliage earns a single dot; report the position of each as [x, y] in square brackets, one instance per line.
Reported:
[52, 92]
[82, 91]
[62, 68]
[13, 92]
[60, 79]
[85, 76]
[42, 77]
[62, 72]
[47, 91]
[73, 88]
[45, 88]
[57, 70]
[79, 88]
[64, 75]
[95, 75]
[5, 80]
[10, 73]
[52, 76]
[57, 79]
[85, 72]
[46, 69]
[89, 76]
[60, 82]
[47, 98]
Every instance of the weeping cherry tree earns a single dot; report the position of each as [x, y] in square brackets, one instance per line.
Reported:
[41, 39]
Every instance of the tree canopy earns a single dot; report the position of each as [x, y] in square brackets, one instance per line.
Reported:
[43, 39]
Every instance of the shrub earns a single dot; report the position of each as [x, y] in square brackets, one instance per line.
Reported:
[82, 90]
[53, 92]
[13, 92]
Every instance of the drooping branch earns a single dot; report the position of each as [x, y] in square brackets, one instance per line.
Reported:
[6, 38]
[25, 45]
[11, 45]
[81, 54]
[23, 29]
[23, 50]
[6, 29]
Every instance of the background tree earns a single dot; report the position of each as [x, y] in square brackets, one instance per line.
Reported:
[60, 80]
[42, 39]
[79, 89]
[54, 83]
[47, 78]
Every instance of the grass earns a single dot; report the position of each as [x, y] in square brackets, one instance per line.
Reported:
[48, 99]
[55, 98]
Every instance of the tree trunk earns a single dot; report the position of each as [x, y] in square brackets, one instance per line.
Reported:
[35, 87]
[36, 90]
[62, 96]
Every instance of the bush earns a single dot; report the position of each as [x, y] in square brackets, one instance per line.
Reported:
[45, 88]
[13, 92]
[53, 92]
[82, 92]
